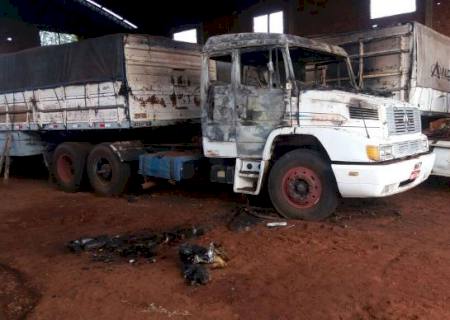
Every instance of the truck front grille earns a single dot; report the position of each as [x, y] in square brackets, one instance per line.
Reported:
[363, 113]
[403, 120]
[407, 148]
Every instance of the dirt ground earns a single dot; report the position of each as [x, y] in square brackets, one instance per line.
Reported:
[376, 259]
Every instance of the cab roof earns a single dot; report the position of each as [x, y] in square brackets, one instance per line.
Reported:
[228, 42]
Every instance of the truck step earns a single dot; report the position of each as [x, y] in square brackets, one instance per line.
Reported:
[247, 179]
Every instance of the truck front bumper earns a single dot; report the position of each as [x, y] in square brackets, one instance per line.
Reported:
[380, 180]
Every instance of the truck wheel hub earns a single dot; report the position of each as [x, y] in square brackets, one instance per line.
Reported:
[64, 167]
[302, 187]
[104, 170]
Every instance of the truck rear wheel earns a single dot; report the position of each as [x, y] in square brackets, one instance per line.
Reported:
[107, 174]
[301, 186]
[68, 165]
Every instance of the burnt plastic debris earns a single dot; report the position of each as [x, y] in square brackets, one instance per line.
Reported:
[196, 274]
[131, 246]
[193, 259]
[195, 254]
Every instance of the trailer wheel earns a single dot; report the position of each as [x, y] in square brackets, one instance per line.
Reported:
[107, 174]
[68, 165]
[301, 186]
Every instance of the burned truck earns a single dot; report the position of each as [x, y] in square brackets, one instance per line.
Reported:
[273, 114]
[269, 120]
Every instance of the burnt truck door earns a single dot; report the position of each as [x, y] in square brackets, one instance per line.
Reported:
[218, 116]
[261, 96]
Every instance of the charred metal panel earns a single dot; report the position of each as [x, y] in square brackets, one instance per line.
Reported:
[247, 40]
[263, 95]
[220, 121]
[259, 111]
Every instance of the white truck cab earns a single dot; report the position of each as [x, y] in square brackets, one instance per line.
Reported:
[269, 118]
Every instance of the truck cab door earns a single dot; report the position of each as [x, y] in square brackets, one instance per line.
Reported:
[218, 119]
[261, 99]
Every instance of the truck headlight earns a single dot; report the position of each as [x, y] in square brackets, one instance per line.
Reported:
[380, 153]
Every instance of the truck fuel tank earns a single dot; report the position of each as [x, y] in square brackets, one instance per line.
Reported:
[170, 165]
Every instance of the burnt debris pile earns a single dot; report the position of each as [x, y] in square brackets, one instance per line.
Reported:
[144, 246]
[132, 246]
[194, 259]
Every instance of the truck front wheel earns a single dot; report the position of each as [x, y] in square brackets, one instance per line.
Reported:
[68, 164]
[301, 186]
[107, 174]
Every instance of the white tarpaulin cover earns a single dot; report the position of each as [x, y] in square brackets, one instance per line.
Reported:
[433, 58]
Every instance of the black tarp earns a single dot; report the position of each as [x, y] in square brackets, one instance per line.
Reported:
[88, 61]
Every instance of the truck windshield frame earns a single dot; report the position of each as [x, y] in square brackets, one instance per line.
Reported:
[321, 59]
[217, 45]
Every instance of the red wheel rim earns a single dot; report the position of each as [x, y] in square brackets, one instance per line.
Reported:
[301, 187]
[64, 168]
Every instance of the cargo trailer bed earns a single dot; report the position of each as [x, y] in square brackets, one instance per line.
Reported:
[112, 82]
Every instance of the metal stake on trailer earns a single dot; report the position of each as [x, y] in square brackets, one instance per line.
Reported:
[5, 158]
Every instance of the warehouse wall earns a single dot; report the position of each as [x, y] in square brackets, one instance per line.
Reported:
[439, 17]
[312, 17]
[16, 35]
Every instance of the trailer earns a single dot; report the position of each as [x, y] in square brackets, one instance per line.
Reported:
[122, 90]
[410, 63]
[261, 119]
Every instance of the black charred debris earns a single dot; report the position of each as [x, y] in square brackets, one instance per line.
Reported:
[194, 258]
[145, 244]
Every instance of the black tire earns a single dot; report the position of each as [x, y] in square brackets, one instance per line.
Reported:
[302, 186]
[68, 165]
[107, 174]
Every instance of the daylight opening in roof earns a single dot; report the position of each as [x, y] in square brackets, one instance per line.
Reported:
[386, 8]
[186, 36]
[270, 23]
[49, 38]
